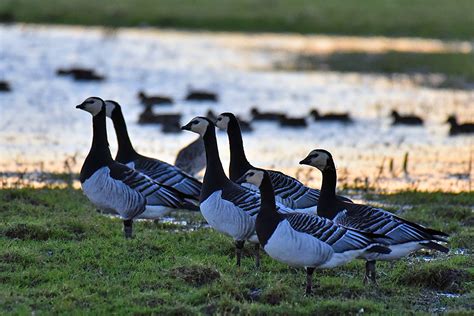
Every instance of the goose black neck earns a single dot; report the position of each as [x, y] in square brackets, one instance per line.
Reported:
[268, 218]
[238, 161]
[328, 193]
[214, 178]
[99, 154]
[126, 153]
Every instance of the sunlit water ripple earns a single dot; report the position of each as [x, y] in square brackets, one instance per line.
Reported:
[40, 128]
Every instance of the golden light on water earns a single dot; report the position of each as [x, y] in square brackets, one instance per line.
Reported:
[41, 132]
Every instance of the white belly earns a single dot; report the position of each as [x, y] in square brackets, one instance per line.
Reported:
[155, 212]
[297, 249]
[227, 218]
[109, 194]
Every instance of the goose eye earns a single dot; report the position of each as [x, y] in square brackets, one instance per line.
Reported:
[315, 155]
[250, 174]
[219, 118]
[195, 122]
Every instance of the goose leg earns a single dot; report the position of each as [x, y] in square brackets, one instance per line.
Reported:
[309, 281]
[373, 276]
[257, 255]
[127, 228]
[239, 244]
[370, 274]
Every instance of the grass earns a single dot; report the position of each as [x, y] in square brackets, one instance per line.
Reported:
[58, 255]
[457, 67]
[419, 18]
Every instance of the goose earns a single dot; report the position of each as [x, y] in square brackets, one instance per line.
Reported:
[171, 127]
[245, 126]
[305, 240]
[4, 86]
[192, 158]
[113, 186]
[201, 95]
[266, 116]
[405, 236]
[293, 121]
[341, 117]
[456, 128]
[405, 119]
[150, 100]
[289, 191]
[157, 170]
[81, 74]
[148, 117]
[228, 207]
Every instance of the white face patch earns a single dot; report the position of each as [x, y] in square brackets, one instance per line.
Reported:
[254, 177]
[320, 161]
[222, 122]
[199, 126]
[93, 105]
[109, 107]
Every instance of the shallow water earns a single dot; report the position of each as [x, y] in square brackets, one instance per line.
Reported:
[40, 128]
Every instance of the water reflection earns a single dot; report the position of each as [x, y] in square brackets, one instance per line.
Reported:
[41, 131]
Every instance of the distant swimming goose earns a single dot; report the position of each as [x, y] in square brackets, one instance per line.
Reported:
[340, 117]
[457, 129]
[148, 117]
[113, 186]
[293, 121]
[405, 236]
[245, 126]
[4, 86]
[405, 119]
[201, 95]
[305, 240]
[226, 206]
[211, 115]
[266, 116]
[289, 191]
[158, 170]
[192, 158]
[149, 100]
[81, 74]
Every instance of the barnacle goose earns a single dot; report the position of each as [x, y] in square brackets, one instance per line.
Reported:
[456, 128]
[305, 240]
[192, 158]
[405, 236]
[113, 186]
[289, 191]
[405, 119]
[158, 170]
[226, 206]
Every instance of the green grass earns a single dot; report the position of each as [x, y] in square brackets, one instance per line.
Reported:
[419, 18]
[58, 255]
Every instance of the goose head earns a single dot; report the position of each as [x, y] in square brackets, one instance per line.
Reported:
[223, 120]
[110, 107]
[198, 125]
[252, 176]
[319, 158]
[93, 105]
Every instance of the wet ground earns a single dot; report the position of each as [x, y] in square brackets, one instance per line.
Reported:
[40, 129]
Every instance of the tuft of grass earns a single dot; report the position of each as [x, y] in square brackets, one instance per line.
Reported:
[419, 18]
[196, 275]
[58, 255]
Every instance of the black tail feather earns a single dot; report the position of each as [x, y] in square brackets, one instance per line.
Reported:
[435, 246]
[379, 249]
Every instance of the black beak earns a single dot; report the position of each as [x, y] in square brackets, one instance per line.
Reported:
[186, 127]
[81, 106]
[241, 180]
[305, 161]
